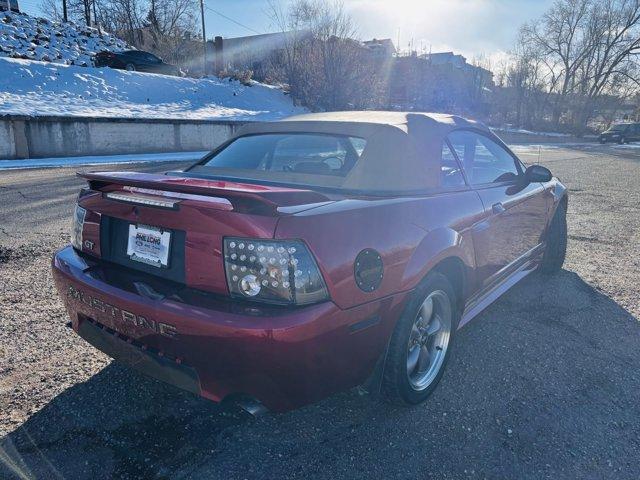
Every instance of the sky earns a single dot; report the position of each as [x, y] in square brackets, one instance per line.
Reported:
[469, 27]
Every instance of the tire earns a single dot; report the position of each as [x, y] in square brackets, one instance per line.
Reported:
[130, 67]
[401, 384]
[556, 248]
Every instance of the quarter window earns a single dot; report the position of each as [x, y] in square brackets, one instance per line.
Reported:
[483, 160]
[451, 174]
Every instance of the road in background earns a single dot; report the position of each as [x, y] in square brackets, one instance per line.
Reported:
[544, 384]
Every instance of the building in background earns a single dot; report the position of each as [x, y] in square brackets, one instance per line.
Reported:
[258, 53]
[440, 81]
[254, 52]
[382, 48]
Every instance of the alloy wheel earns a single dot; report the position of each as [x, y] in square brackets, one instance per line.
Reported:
[429, 340]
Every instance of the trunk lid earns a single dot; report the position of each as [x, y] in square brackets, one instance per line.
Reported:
[196, 212]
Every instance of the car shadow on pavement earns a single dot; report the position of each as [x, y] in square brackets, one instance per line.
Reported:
[545, 381]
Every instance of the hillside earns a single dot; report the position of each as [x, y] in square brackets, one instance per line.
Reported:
[27, 37]
[37, 89]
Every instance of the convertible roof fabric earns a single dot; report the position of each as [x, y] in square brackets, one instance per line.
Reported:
[403, 150]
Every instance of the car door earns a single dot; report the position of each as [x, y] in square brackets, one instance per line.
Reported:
[515, 213]
[153, 63]
[141, 60]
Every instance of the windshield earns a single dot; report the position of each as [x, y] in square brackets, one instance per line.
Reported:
[620, 127]
[307, 158]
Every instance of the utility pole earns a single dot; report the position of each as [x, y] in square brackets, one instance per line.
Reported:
[204, 40]
[64, 10]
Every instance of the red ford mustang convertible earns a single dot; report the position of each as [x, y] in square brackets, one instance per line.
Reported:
[308, 256]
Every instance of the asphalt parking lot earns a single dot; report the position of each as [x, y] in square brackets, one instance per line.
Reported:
[544, 384]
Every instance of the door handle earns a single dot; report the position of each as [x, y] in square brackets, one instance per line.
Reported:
[498, 208]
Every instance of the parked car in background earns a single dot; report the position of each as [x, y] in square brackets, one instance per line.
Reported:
[310, 255]
[621, 133]
[135, 60]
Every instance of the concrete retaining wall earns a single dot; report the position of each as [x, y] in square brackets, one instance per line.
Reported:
[7, 142]
[41, 137]
[38, 137]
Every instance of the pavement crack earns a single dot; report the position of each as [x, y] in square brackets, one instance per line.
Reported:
[15, 190]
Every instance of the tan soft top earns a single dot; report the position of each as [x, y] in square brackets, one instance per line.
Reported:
[403, 150]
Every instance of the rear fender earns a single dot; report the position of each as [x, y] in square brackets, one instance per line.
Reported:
[435, 247]
[560, 194]
[438, 245]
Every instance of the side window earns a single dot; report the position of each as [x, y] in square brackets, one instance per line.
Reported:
[483, 160]
[451, 175]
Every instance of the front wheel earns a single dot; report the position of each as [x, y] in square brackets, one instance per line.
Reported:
[556, 249]
[130, 67]
[421, 342]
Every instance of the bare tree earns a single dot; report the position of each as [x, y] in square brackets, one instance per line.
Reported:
[79, 11]
[584, 51]
[614, 40]
[324, 64]
[162, 26]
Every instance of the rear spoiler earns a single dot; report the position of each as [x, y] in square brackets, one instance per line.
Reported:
[244, 196]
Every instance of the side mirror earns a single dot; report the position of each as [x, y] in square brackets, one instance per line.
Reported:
[537, 173]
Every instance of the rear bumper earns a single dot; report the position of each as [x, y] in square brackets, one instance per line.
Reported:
[215, 347]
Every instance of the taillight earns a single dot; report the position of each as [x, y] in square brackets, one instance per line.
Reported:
[76, 228]
[273, 271]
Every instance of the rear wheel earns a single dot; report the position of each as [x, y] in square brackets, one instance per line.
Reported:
[421, 342]
[130, 67]
[556, 248]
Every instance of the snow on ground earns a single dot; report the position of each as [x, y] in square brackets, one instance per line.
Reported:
[542, 134]
[629, 146]
[37, 89]
[526, 147]
[529, 132]
[101, 160]
[24, 36]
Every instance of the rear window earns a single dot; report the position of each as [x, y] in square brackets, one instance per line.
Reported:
[295, 153]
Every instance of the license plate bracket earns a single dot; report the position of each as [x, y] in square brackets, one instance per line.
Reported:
[149, 245]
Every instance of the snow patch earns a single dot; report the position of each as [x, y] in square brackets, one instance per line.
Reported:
[530, 132]
[27, 37]
[628, 146]
[46, 89]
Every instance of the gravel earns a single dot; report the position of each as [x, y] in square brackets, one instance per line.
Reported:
[544, 384]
